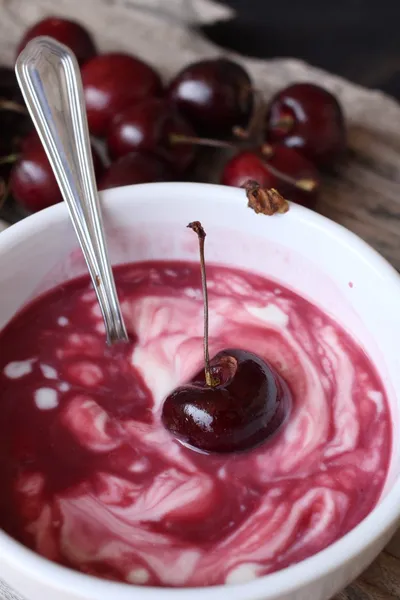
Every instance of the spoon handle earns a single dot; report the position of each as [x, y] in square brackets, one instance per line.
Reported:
[49, 78]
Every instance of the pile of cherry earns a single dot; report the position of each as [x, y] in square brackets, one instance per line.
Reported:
[154, 132]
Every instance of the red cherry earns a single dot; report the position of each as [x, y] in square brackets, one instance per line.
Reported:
[149, 125]
[15, 122]
[279, 168]
[70, 33]
[31, 140]
[248, 405]
[214, 95]
[137, 167]
[235, 403]
[9, 88]
[32, 181]
[112, 82]
[308, 118]
[14, 119]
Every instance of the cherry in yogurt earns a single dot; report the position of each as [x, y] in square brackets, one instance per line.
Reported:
[236, 403]
[90, 477]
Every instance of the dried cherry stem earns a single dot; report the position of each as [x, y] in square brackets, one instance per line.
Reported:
[197, 227]
[267, 201]
[177, 138]
[12, 106]
[307, 185]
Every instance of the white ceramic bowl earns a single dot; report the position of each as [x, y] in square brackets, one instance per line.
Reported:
[312, 255]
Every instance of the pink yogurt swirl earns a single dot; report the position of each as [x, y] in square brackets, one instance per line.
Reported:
[92, 480]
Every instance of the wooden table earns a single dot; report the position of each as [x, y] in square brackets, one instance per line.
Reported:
[363, 196]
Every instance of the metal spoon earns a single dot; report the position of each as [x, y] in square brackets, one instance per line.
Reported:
[49, 78]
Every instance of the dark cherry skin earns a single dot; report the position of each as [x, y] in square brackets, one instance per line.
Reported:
[9, 88]
[318, 129]
[136, 167]
[245, 409]
[68, 32]
[112, 82]
[214, 95]
[254, 165]
[14, 125]
[148, 125]
[32, 181]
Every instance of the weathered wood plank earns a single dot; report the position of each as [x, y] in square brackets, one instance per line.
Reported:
[365, 193]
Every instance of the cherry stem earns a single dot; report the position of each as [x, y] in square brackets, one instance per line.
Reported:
[12, 106]
[10, 158]
[253, 131]
[197, 227]
[306, 184]
[177, 138]
[241, 132]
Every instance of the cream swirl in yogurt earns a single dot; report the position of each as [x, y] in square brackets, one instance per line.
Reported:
[92, 480]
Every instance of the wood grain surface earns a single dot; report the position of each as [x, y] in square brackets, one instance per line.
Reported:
[364, 194]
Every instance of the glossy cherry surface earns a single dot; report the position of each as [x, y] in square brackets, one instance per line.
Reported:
[112, 82]
[149, 125]
[32, 182]
[246, 408]
[68, 32]
[308, 118]
[214, 95]
[257, 166]
[137, 167]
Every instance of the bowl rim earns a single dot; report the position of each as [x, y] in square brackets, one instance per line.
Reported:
[375, 525]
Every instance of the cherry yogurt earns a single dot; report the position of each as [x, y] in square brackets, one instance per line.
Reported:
[92, 480]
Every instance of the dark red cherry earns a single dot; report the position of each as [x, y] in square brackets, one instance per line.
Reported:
[112, 82]
[150, 125]
[32, 181]
[280, 168]
[308, 118]
[9, 88]
[245, 409]
[14, 119]
[214, 95]
[68, 32]
[137, 167]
